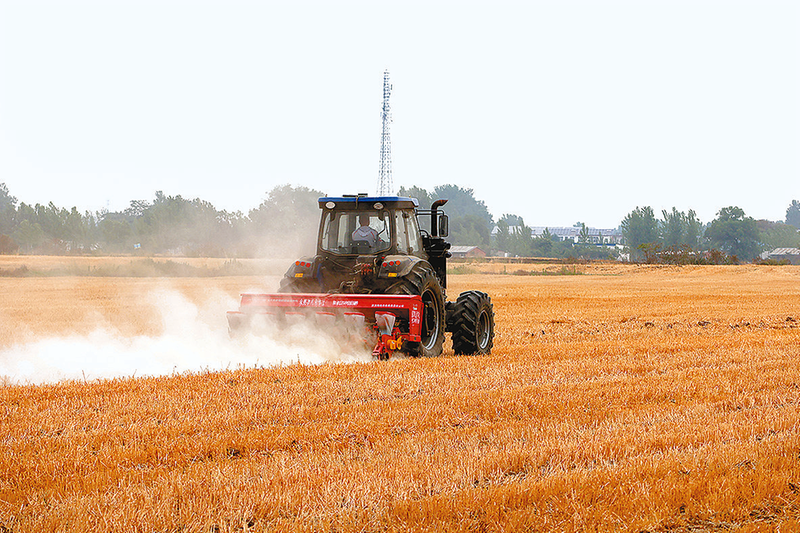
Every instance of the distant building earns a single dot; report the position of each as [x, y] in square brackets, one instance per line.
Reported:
[467, 251]
[790, 254]
[596, 235]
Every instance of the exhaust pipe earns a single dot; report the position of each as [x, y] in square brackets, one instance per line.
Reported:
[435, 217]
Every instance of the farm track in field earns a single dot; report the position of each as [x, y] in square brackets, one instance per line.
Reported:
[628, 398]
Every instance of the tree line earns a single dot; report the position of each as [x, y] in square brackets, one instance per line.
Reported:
[680, 237]
[286, 221]
[677, 237]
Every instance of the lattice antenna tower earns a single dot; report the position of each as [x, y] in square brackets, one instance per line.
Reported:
[385, 187]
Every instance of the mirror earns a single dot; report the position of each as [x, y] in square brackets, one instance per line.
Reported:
[444, 225]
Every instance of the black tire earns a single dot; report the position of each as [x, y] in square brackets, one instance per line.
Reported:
[423, 281]
[298, 285]
[472, 323]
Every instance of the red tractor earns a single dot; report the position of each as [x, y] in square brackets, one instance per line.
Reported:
[377, 271]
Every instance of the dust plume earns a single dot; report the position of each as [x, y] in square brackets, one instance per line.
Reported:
[193, 339]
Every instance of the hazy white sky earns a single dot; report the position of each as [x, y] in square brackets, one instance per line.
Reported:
[557, 111]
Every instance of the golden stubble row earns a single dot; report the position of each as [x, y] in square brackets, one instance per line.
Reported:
[607, 404]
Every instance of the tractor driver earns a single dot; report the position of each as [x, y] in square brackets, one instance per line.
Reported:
[365, 232]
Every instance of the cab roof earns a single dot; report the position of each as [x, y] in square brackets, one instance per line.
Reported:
[367, 202]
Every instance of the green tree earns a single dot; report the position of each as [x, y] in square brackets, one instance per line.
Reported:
[137, 208]
[29, 235]
[693, 230]
[470, 221]
[543, 244]
[37, 225]
[8, 210]
[639, 227]
[285, 221]
[512, 220]
[522, 240]
[79, 229]
[793, 214]
[777, 235]
[679, 229]
[734, 233]
[422, 196]
[502, 238]
[163, 224]
[470, 230]
[462, 202]
[672, 227]
[51, 219]
[170, 224]
[115, 232]
[583, 235]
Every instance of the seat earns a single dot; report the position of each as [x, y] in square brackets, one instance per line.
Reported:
[360, 247]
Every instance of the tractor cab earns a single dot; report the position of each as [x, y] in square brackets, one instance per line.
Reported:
[367, 243]
[360, 225]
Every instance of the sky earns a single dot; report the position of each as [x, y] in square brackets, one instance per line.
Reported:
[557, 111]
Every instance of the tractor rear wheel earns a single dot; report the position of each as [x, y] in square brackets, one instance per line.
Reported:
[423, 281]
[472, 323]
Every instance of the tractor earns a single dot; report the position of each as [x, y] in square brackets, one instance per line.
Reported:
[381, 267]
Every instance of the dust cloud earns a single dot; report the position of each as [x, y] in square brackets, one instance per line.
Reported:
[194, 339]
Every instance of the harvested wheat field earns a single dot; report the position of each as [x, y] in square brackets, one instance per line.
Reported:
[616, 399]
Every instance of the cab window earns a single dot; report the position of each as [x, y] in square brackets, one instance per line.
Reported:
[414, 239]
[402, 232]
[408, 239]
[355, 232]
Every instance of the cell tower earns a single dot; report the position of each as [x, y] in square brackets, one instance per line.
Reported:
[385, 187]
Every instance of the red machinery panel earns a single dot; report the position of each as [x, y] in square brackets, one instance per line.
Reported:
[407, 308]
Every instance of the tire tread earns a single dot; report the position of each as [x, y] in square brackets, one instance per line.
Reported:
[464, 321]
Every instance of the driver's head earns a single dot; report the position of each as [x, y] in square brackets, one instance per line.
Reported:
[363, 220]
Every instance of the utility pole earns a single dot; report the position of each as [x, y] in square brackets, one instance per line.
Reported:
[385, 187]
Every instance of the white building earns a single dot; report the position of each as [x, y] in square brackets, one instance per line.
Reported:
[790, 254]
[596, 235]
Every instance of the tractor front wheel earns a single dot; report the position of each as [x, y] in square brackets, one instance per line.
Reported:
[472, 323]
[423, 281]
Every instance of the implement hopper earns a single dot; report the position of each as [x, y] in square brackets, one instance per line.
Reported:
[391, 321]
